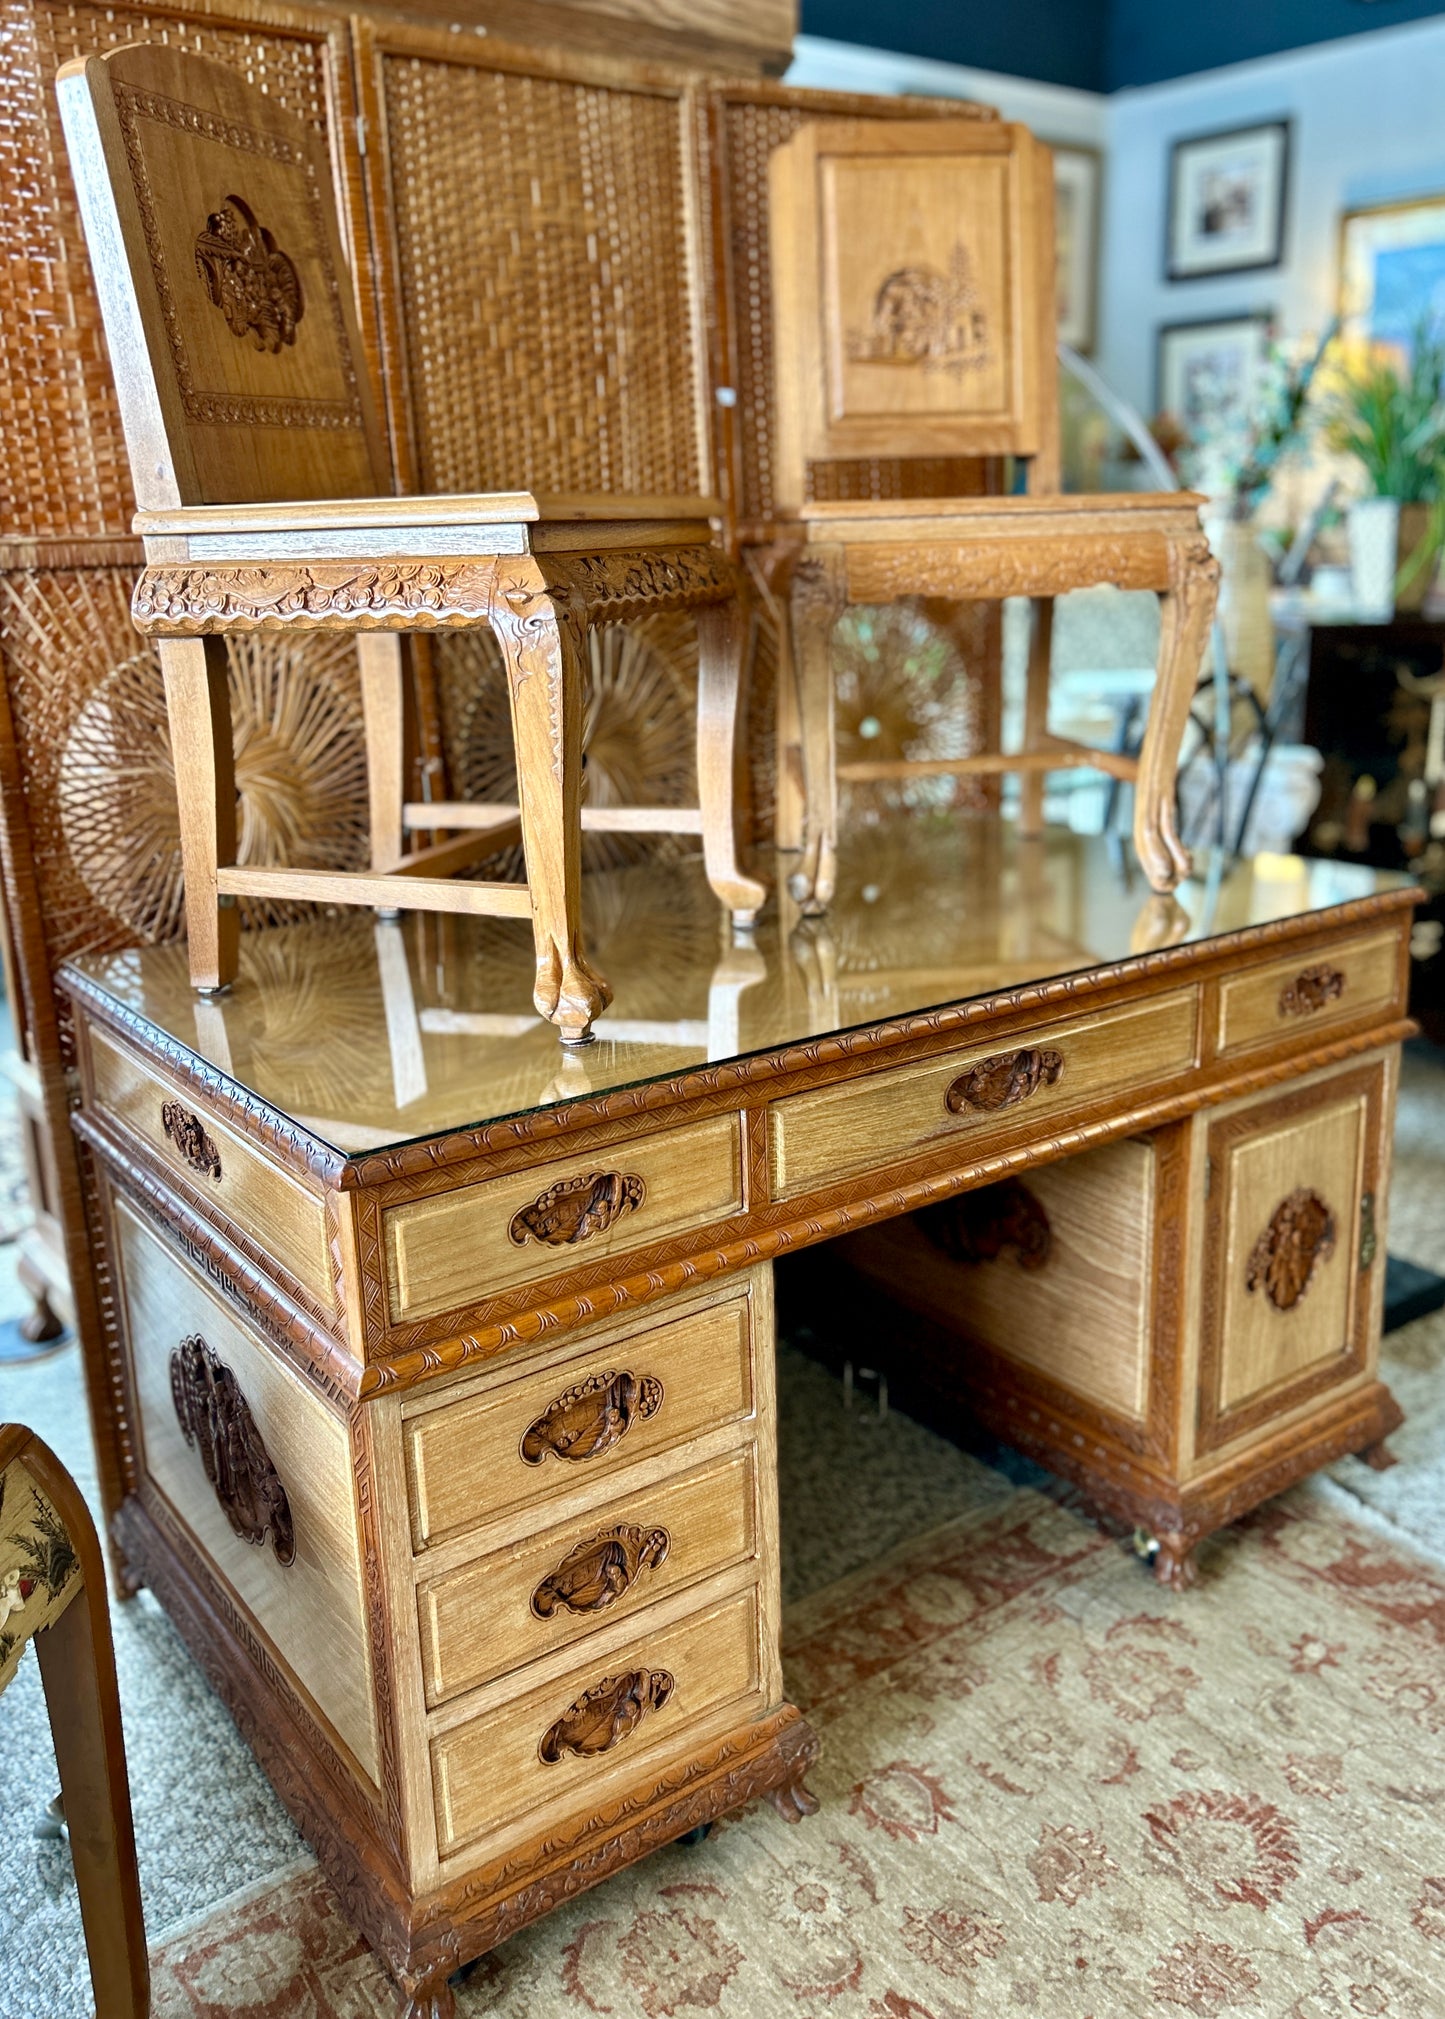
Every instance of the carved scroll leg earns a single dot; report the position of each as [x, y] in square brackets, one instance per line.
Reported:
[198, 706]
[434, 1999]
[383, 707]
[720, 633]
[77, 1670]
[541, 639]
[1036, 712]
[1174, 1565]
[1186, 613]
[817, 602]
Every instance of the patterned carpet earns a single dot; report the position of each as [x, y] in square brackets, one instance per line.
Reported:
[1047, 1788]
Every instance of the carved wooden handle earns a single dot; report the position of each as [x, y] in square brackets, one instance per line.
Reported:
[577, 1209]
[591, 1576]
[610, 1712]
[188, 1134]
[214, 1414]
[1310, 990]
[1301, 1232]
[589, 1419]
[1005, 1079]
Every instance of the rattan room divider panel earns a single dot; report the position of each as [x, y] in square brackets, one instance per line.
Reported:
[88, 827]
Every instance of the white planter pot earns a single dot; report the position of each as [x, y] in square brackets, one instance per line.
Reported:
[1374, 538]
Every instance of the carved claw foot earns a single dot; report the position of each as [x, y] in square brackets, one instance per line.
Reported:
[1174, 1565]
[569, 993]
[1379, 1457]
[813, 882]
[793, 1802]
[436, 2000]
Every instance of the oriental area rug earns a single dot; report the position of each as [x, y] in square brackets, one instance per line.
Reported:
[1047, 1788]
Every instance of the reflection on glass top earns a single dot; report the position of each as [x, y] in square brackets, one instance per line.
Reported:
[372, 1032]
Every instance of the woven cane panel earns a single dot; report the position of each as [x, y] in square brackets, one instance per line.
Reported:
[89, 711]
[751, 130]
[64, 451]
[544, 292]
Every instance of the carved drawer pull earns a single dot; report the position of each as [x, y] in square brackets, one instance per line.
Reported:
[981, 1226]
[1311, 990]
[574, 1211]
[595, 1573]
[1005, 1080]
[214, 1414]
[610, 1712]
[590, 1418]
[188, 1134]
[1301, 1232]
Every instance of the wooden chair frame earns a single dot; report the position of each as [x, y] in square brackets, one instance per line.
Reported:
[536, 572]
[834, 554]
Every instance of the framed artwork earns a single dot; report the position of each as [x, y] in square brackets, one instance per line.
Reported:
[1392, 269]
[1078, 173]
[1226, 201]
[1208, 373]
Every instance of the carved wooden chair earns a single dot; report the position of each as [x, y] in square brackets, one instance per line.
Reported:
[52, 1591]
[258, 463]
[912, 274]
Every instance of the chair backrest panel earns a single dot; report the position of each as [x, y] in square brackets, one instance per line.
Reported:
[912, 314]
[212, 226]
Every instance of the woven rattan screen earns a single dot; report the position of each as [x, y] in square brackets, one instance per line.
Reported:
[539, 315]
[740, 125]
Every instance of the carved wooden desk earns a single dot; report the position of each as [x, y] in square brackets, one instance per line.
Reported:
[447, 1359]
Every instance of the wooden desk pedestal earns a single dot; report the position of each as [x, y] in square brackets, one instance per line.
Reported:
[1182, 1325]
[451, 1452]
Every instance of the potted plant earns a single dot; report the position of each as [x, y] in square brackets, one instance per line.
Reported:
[1385, 411]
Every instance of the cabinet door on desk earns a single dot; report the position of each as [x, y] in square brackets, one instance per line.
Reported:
[1292, 1263]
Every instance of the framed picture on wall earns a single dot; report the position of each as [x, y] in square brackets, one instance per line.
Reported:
[1208, 373]
[1226, 201]
[1392, 269]
[1078, 172]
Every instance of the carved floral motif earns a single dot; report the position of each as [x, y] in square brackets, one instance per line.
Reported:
[608, 1713]
[188, 1134]
[598, 1572]
[248, 278]
[1311, 990]
[1301, 1232]
[658, 578]
[1005, 1079]
[590, 1418]
[185, 601]
[979, 1226]
[214, 1415]
[577, 1209]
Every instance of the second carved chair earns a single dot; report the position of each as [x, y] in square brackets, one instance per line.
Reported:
[258, 466]
[913, 293]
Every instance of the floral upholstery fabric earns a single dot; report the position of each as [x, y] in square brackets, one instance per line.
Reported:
[38, 1565]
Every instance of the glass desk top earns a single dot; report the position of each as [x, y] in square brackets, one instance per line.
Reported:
[373, 1032]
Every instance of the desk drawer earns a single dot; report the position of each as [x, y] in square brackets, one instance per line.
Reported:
[1295, 998]
[1002, 1089]
[549, 1590]
[446, 1251]
[263, 1200]
[598, 1725]
[532, 1436]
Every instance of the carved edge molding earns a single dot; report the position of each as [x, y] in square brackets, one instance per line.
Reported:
[575, 1209]
[1301, 1233]
[216, 1419]
[189, 600]
[1311, 989]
